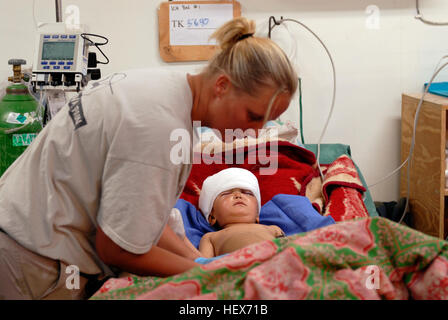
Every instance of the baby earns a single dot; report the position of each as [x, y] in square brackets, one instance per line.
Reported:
[230, 200]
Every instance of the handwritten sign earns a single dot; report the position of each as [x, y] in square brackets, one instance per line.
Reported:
[192, 24]
[185, 27]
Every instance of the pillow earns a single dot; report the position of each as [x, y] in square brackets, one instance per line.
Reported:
[210, 141]
[280, 167]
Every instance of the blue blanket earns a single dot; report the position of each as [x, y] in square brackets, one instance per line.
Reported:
[292, 213]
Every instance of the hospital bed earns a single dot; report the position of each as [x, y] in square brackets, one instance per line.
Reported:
[361, 256]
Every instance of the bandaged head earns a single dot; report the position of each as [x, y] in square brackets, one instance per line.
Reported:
[224, 180]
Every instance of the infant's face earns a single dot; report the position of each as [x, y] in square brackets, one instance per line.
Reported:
[235, 206]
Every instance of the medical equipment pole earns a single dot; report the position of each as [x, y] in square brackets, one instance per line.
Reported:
[58, 10]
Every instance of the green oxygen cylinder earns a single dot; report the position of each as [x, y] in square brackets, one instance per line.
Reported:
[19, 118]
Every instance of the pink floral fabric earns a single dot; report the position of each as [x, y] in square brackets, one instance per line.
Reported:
[367, 258]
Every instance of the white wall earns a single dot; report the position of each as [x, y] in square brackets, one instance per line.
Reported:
[374, 66]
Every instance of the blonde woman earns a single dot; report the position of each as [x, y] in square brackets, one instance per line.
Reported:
[91, 196]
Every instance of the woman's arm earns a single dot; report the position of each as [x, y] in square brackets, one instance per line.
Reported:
[157, 261]
[191, 246]
[171, 242]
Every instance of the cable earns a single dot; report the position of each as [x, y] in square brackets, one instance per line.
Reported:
[413, 136]
[96, 44]
[40, 102]
[37, 25]
[438, 64]
[271, 102]
[408, 160]
[293, 49]
[334, 81]
[300, 109]
[34, 15]
[292, 57]
[419, 16]
[389, 175]
[40, 114]
[334, 92]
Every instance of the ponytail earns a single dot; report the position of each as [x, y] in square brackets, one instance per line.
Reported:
[250, 61]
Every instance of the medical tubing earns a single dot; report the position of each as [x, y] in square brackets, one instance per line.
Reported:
[292, 56]
[271, 102]
[411, 149]
[34, 15]
[389, 175]
[37, 24]
[8, 131]
[419, 16]
[413, 136]
[301, 111]
[12, 130]
[41, 108]
[40, 102]
[438, 64]
[334, 89]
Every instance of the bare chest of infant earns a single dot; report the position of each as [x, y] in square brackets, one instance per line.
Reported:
[236, 237]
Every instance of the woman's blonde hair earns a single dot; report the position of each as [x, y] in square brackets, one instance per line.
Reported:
[250, 61]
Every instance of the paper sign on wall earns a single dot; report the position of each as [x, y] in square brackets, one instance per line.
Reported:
[192, 24]
[185, 27]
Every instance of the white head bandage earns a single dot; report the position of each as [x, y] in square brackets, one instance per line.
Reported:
[224, 180]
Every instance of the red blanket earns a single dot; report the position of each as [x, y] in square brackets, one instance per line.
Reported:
[295, 172]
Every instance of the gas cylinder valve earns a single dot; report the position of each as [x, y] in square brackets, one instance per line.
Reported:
[17, 70]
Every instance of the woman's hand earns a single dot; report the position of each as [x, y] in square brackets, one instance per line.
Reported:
[157, 261]
[183, 247]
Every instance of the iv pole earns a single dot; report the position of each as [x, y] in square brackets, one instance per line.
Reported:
[58, 10]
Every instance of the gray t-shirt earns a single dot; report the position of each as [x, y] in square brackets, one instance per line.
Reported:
[103, 160]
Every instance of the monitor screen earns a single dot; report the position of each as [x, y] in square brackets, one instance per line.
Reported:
[60, 50]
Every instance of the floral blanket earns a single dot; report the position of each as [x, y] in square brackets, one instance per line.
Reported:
[365, 258]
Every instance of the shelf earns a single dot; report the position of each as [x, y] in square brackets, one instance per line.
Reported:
[428, 200]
